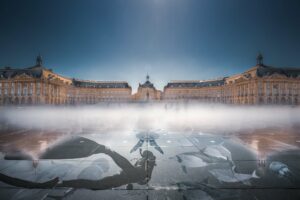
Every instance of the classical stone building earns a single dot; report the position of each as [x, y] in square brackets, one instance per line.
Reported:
[91, 92]
[147, 92]
[39, 85]
[260, 84]
[263, 84]
[198, 90]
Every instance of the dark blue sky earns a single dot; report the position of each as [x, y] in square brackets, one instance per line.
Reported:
[169, 39]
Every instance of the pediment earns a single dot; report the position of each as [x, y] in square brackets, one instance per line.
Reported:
[277, 75]
[22, 76]
[240, 79]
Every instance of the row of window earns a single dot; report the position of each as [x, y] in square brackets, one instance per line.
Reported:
[99, 98]
[26, 89]
[194, 92]
[275, 89]
[104, 92]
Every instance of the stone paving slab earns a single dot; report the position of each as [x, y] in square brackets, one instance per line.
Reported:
[191, 165]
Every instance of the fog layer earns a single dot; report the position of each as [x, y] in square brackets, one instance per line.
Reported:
[171, 117]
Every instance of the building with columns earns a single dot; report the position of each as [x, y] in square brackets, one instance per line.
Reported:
[260, 84]
[39, 85]
[194, 90]
[147, 92]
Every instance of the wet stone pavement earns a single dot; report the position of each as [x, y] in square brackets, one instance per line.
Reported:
[151, 164]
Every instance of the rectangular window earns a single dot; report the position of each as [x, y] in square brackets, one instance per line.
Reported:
[45, 89]
[294, 89]
[267, 88]
[25, 89]
[289, 89]
[38, 89]
[30, 89]
[19, 89]
[52, 91]
[282, 88]
[12, 91]
[275, 89]
[5, 88]
[259, 88]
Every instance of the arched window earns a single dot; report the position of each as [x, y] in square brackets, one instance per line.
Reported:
[29, 100]
[289, 100]
[23, 100]
[16, 100]
[283, 100]
[269, 100]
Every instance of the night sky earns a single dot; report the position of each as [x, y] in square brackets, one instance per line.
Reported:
[169, 39]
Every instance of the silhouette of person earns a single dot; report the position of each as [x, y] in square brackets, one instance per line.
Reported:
[140, 173]
[80, 147]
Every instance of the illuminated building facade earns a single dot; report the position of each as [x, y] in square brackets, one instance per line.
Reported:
[259, 85]
[39, 85]
[147, 92]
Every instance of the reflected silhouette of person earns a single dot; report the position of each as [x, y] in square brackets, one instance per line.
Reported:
[80, 147]
[139, 173]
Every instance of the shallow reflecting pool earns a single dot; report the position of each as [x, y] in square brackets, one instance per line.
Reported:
[148, 164]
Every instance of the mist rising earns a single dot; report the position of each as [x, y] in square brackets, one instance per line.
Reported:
[177, 117]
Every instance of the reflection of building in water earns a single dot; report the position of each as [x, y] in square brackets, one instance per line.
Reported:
[260, 84]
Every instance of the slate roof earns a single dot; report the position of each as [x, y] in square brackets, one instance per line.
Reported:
[100, 84]
[264, 70]
[195, 84]
[147, 84]
[35, 71]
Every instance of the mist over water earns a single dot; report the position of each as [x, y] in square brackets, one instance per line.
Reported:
[214, 118]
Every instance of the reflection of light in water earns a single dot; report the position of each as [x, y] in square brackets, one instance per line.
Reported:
[35, 163]
[168, 141]
[254, 145]
[43, 145]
